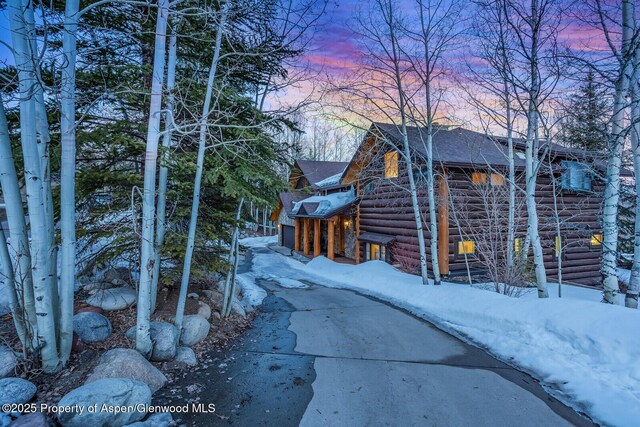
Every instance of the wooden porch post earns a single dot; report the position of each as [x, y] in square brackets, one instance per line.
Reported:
[443, 225]
[331, 237]
[340, 224]
[316, 238]
[306, 236]
[358, 235]
[296, 244]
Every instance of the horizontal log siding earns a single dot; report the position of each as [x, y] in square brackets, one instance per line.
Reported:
[386, 208]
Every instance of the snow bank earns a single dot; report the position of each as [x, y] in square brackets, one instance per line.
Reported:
[585, 352]
[252, 294]
[254, 242]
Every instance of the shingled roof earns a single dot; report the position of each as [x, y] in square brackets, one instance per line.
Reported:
[453, 145]
[318, 171]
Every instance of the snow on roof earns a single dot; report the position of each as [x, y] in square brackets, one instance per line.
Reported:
[320, 206]
[330, 181]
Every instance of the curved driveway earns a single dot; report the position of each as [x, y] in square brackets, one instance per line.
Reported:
[376, 365]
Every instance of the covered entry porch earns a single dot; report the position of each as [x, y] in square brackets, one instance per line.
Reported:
[315, 237]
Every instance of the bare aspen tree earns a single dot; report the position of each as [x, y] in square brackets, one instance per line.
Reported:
[615, 152]
[202, 141]
[67, 178]
[21, 34]
[143, 335]
[436, 33]
[631, 296]
[164, 168]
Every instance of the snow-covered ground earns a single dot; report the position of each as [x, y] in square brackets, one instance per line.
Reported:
[585, 352]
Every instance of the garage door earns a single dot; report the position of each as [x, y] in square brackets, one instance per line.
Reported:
[288, 236]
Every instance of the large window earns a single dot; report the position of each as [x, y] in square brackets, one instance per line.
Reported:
[596, 241]
[481, 178]
[391, 164]
[575, 176]
[466, 247]
[376, 252]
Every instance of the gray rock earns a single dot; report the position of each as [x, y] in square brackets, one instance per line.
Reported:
[35, 419]
[16, 390]
[164, 337]
[212, 295]
[117, 276]
[8, 361]
[195, 328]
[204, 310]
[160, 419]
[193, 295]
[127, 363]
[237, 307]
[186, 356]
[108, 392]
[113, 298]
[91, 327]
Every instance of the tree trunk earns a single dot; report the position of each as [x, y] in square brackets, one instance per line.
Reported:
[164, 169]
[143, 335]
[532, 163]
[67, 179]
[229, 287]
[193, 221]
[631, 297]
[44, 304]
[612, 179]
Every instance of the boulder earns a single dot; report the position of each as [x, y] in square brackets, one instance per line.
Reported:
[204, 310]
[127, 363]
[8, 361]
[35, 419]
[90, 308]
[160, 419]
[193, 295]
[16, 390]
[113, 298]
[195, 328]
[91, 327]
[117, 276]
[186, 356]
[107, 393]
[164, 337]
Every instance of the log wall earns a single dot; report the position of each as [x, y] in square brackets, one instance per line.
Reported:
[385, 208]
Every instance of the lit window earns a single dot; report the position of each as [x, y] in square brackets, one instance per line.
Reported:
[466, 247]
[376, 252]
[575, 176]
[558, 248]
[497, 179]
[479, 178]
[391, 164]
[517, 245]
[596, 240]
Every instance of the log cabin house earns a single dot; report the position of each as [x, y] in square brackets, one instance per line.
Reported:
[361, 210]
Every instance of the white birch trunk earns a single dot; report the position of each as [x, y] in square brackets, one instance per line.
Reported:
[34, 189]
[511, 229]
[44, 140]
[631, 297]
[229, 283]
[18, 288]
[67, 178]
[405, 143]
[193, 221]
[17, 229]
[143, 336]
[612, 178]
[164, 169]
[532, 162]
